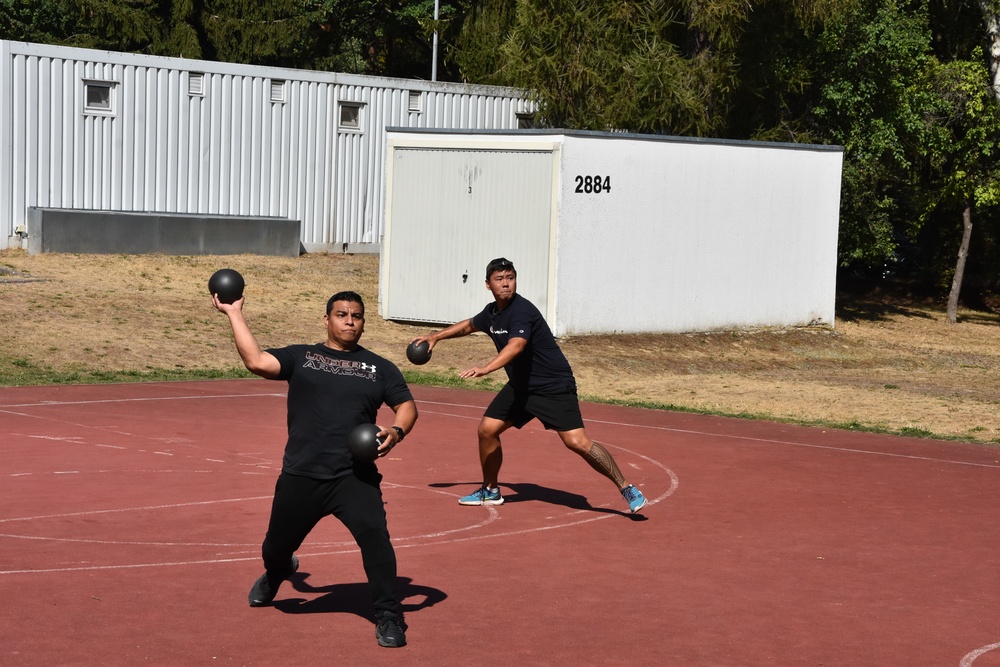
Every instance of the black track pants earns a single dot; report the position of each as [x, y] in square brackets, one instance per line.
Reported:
[300, 502]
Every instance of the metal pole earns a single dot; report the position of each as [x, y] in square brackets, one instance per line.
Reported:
[434, 50]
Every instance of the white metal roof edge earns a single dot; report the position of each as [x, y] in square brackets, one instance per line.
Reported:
[239, 69]
[555, 133]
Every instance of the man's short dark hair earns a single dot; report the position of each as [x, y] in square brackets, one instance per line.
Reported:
[346, 295]
[499, 264]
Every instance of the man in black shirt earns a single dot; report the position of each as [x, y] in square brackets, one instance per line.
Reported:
[332, 387]
[540, 384]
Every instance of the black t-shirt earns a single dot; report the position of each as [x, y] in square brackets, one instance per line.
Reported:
[329, 393]
[541, 367]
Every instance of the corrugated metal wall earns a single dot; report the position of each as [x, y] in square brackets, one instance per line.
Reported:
[230, 150]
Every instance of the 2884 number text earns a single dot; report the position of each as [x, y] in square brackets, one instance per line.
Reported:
[592, 184]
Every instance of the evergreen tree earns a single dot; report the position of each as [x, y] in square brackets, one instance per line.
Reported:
[277, 32]
[124, 25]
[44, 21]
[184, 36]
[621, 64]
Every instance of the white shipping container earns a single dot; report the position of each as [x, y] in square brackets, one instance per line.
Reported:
[612, 233]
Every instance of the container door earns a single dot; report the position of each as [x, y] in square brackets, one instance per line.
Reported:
[451, 212]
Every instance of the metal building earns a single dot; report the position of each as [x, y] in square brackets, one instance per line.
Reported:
[102, 131]
[612, 233]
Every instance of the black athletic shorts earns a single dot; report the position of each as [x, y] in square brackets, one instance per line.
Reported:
[557, 412]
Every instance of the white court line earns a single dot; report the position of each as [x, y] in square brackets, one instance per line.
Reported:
[429, 539]
[132, 471]
[674, 484]
[46, 404]
[132, 509]
[309, 553]
[434, 536]
[747, 438]
[39, 538]
[596, 421]
[810, 445]
[480, 407]
[971, 657]
[493, 516]
[133, 566]
[110, 428]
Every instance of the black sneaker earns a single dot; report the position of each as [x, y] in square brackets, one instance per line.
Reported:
[264, 589]
[390, 631]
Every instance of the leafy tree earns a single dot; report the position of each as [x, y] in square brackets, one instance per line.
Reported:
[866, 64]
[782, 71]
[990, 10]
[385, 37]
[960, 151]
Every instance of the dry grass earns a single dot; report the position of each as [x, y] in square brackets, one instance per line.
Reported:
[887, 366]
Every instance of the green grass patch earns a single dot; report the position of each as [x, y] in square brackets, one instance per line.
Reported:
[450, 380]
[18, 371]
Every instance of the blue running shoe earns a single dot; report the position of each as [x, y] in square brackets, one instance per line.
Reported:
[482, 497]
[633, 496]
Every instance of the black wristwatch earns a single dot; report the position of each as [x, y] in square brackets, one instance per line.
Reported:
[399, 432]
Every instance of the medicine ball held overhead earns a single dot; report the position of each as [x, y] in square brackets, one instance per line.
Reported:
[228, 284]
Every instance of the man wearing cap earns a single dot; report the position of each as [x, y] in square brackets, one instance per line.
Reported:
[540, 385]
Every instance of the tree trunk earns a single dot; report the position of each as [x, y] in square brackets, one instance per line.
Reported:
[963, 252]
[992, 21]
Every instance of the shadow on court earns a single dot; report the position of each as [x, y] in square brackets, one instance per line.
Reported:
[528, 492]
[354, 598]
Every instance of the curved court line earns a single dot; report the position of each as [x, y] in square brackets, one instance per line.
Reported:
[971, 657]
[493, 515]
[439, 537]
[675, 482]
[308, 553]
[674, 485]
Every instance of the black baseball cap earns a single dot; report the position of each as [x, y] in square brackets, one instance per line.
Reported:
[499, 264]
